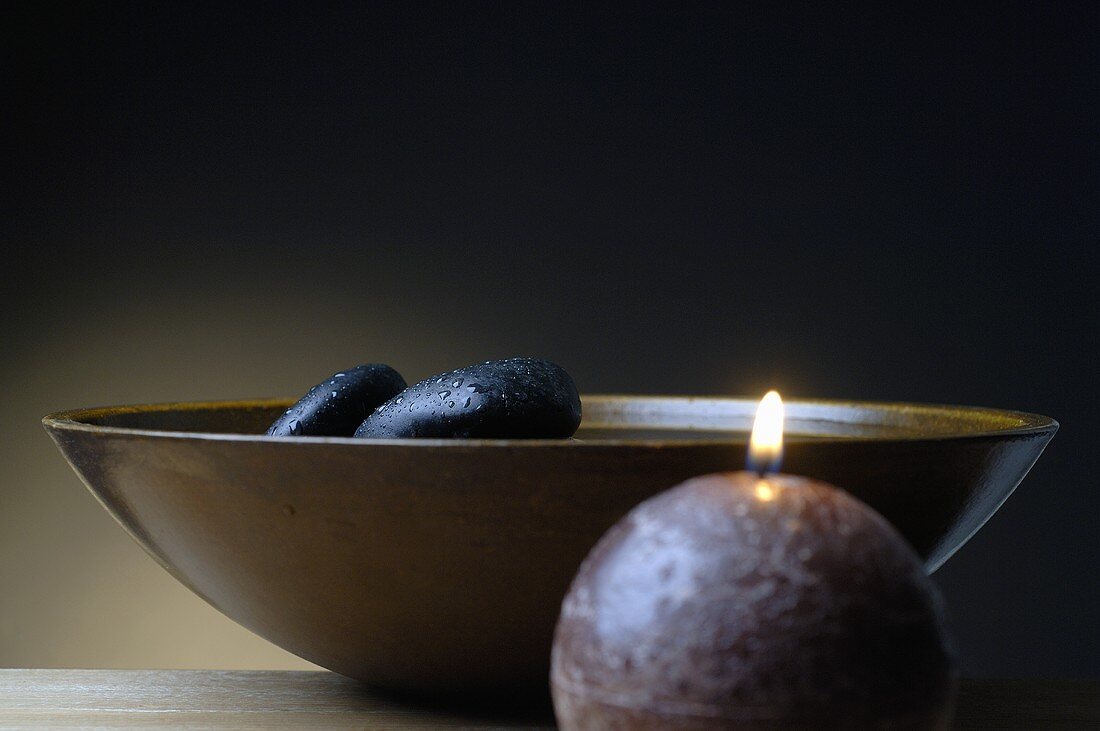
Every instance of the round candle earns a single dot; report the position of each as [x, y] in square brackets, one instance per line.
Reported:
[736, 600]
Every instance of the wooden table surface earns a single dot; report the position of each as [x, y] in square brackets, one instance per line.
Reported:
[213, 699]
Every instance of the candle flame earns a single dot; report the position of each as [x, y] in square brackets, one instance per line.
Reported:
[766, 442]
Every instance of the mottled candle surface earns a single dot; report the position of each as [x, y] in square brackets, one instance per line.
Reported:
[733, 600]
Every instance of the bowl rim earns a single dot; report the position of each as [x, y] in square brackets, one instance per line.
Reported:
[76, 420]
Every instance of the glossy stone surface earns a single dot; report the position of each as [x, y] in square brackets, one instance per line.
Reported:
[518, 398]
[731, 602]
[338, 404]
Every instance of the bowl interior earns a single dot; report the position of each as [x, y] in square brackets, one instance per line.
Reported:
[622, 418]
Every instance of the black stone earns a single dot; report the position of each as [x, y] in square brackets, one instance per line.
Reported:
[518, 398]
[337, 405]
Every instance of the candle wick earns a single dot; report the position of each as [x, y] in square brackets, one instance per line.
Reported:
[762, 467]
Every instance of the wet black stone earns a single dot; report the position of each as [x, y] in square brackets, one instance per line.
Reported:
[337, 405]
[518, 398]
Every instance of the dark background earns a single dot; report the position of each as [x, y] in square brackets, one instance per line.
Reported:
[206, 202]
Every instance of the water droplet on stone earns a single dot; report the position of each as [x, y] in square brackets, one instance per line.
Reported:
[334, 394]
[457, 382]
[444, 394]
[450, 404]
[295, 428]
[467, 404]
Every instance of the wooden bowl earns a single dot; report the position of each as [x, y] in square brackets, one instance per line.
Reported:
[438, 566]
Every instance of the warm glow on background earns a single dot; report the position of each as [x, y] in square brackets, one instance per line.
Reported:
[766, 442]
